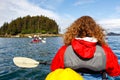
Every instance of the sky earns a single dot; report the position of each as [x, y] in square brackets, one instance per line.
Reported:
[105, 12]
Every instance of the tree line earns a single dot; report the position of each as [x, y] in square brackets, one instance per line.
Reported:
[28, 24]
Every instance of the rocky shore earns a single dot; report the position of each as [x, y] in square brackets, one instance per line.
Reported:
[30, 35]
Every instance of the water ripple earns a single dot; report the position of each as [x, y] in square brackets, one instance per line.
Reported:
[13, 47]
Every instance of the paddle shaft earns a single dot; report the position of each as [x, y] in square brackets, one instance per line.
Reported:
[45, 63]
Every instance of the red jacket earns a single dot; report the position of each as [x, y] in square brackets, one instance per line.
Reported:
[81, 47]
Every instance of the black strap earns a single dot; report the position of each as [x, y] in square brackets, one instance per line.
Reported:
[88, 71]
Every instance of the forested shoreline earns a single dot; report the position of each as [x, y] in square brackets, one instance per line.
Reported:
[29, 25]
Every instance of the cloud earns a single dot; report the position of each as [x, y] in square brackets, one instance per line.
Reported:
[81, 2]
[11, 9]
[65, 21]
[112, 25]
[48, 4]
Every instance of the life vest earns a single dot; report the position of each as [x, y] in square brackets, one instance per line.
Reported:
[92, 65]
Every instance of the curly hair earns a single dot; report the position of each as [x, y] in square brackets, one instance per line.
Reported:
[84, 26]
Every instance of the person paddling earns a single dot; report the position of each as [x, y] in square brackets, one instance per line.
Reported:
[85, 50]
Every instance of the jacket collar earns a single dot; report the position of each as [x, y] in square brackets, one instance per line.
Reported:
[89, 39]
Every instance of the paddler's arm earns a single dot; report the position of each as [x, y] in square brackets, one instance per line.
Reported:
[58, 60]
[112, 64]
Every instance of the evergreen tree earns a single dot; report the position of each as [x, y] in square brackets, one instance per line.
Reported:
[28, 24]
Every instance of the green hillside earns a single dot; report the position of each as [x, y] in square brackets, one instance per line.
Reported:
[28, 25]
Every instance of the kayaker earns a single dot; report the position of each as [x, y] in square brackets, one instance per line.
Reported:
[35, 39]
[85, 49]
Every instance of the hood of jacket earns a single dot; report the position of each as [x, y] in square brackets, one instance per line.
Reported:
[84, 47]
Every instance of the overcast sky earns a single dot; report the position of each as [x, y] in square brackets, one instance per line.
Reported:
[64, 12]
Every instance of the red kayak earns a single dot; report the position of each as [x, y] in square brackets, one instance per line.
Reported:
[35, 41]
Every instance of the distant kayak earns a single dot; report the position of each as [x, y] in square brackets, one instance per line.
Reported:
[35, 41]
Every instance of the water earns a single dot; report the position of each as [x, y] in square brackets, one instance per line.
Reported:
[14, 47]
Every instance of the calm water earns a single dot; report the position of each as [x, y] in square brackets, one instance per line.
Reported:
[13, 47]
